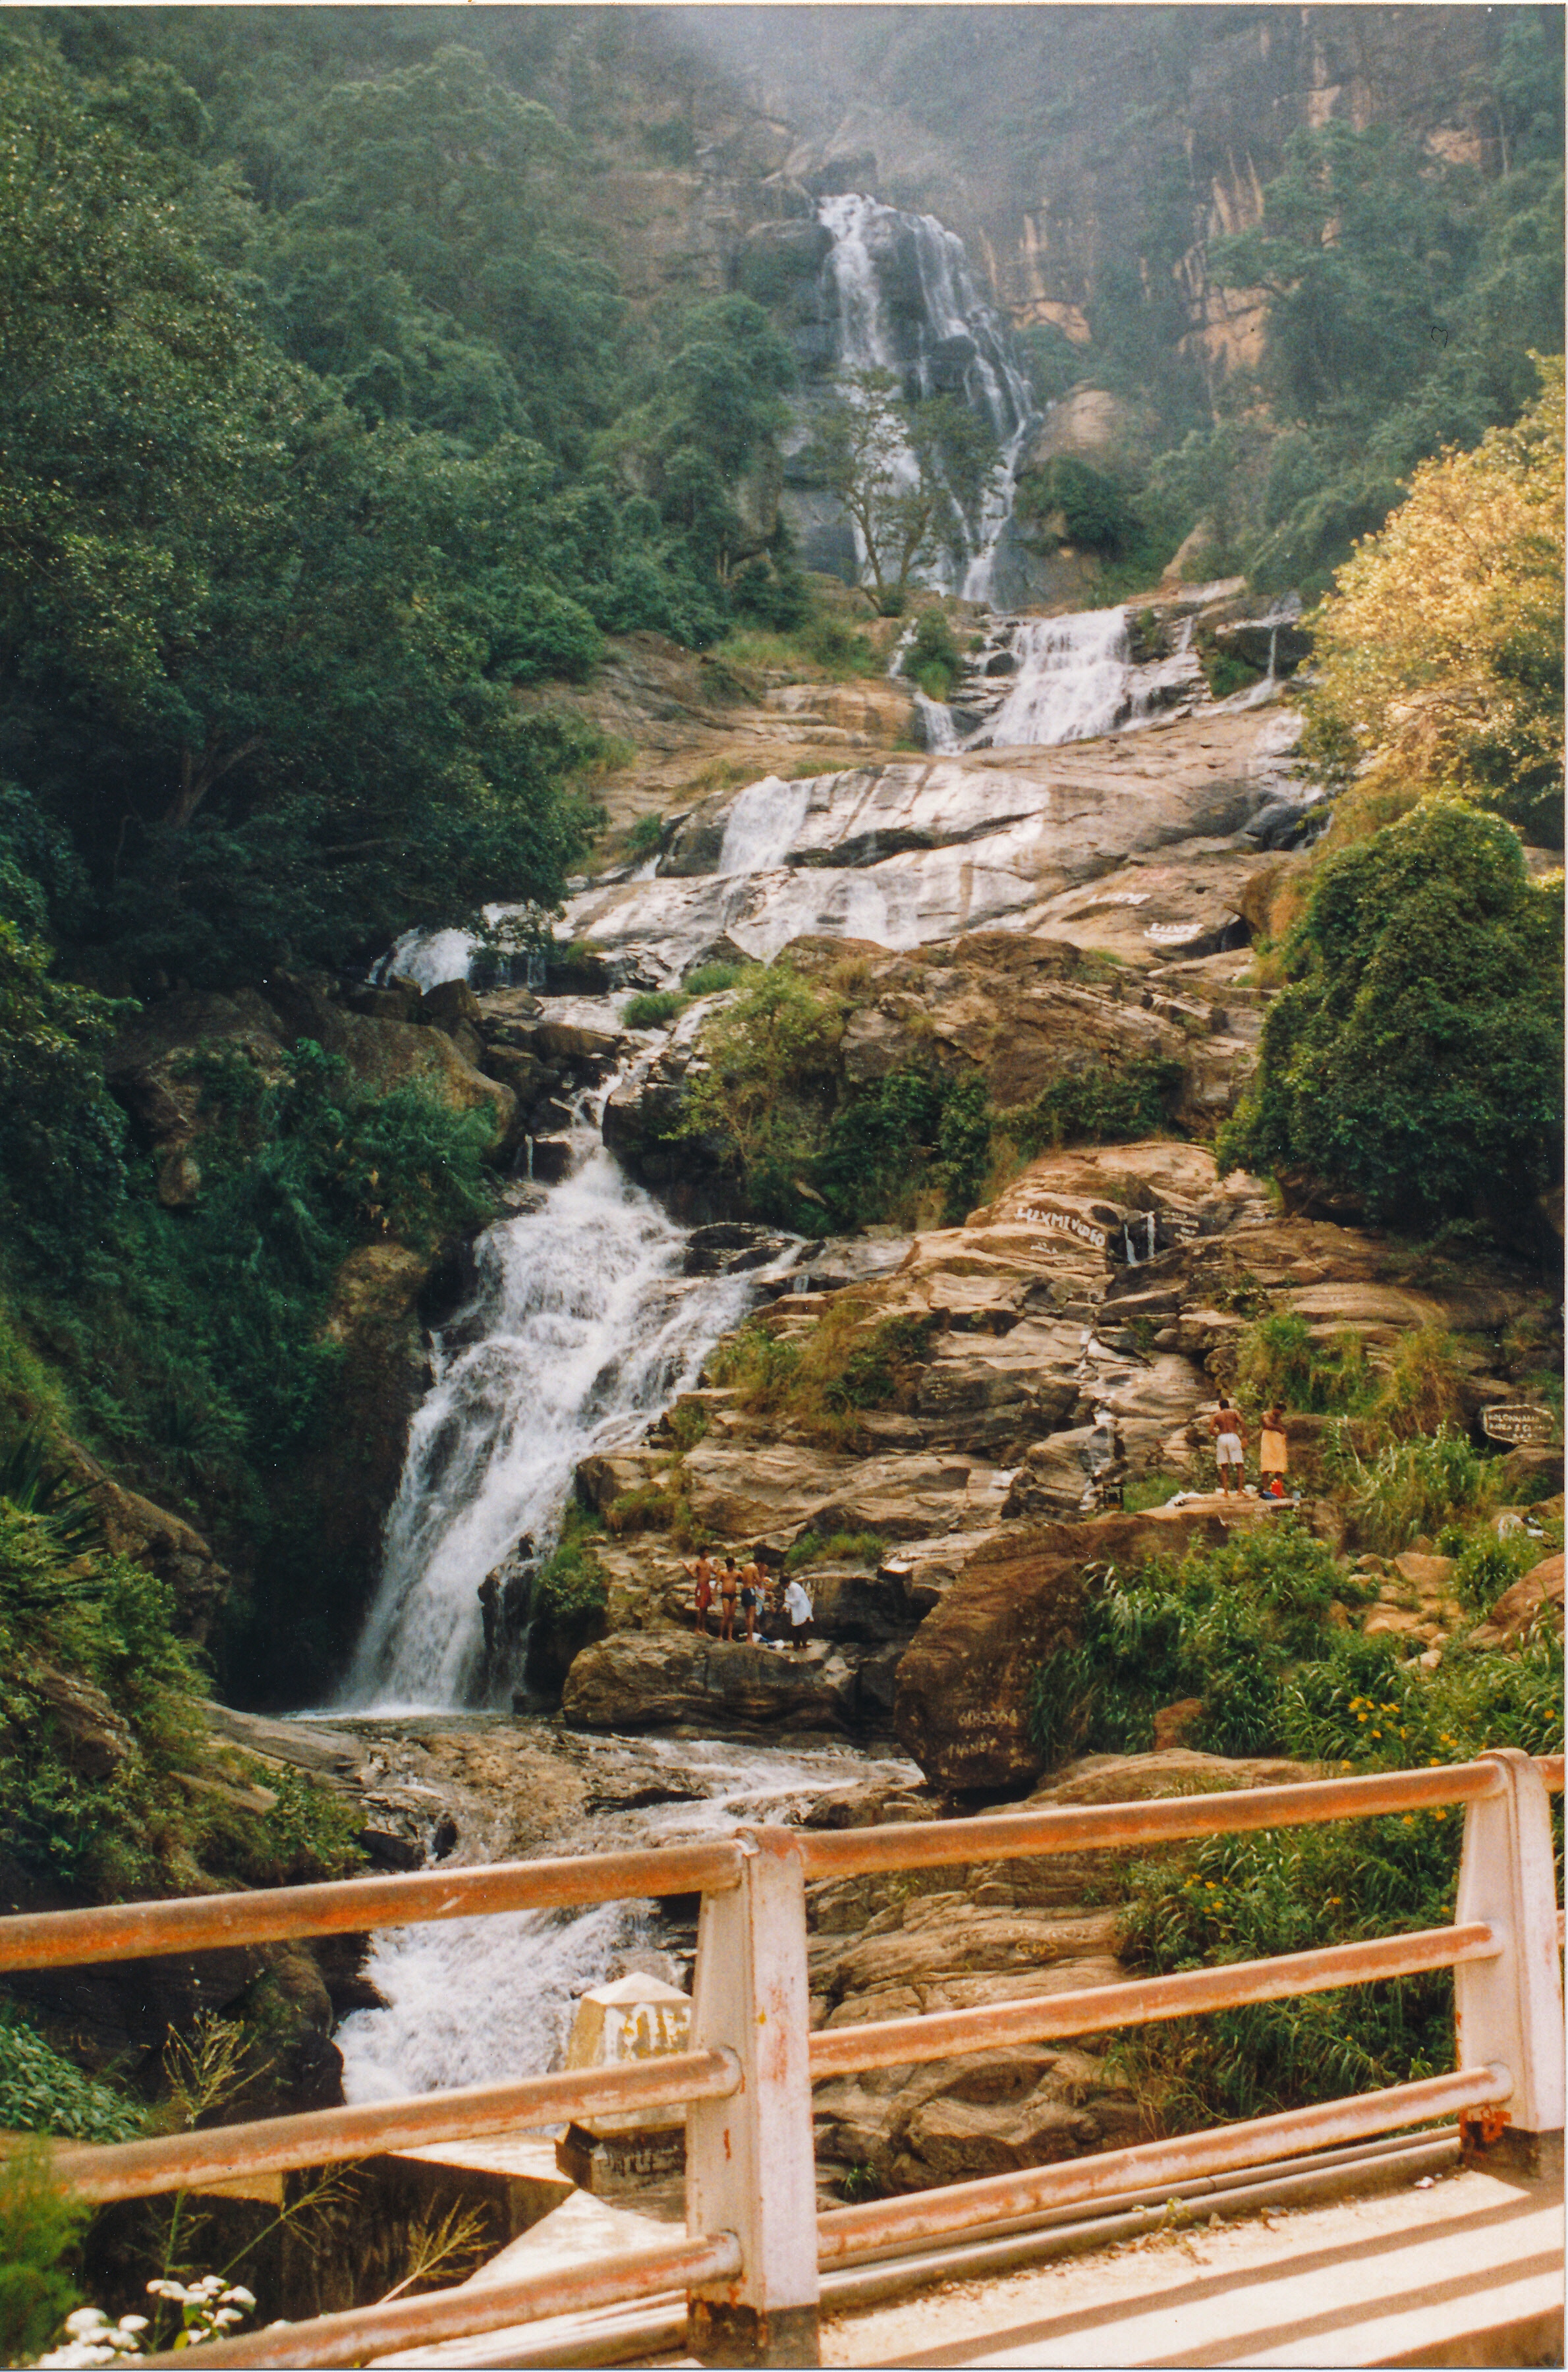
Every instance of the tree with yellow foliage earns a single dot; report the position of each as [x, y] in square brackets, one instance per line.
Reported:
[1439, 652]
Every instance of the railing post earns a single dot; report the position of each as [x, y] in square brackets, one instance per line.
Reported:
[751, 2165]
[1510, 2008]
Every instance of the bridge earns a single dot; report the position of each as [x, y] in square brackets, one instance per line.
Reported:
[757, 2264]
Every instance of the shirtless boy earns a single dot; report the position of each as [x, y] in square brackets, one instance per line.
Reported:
[1229, 1429]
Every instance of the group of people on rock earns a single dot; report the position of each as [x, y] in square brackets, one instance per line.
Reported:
[1228, 1427]
[771, 1612]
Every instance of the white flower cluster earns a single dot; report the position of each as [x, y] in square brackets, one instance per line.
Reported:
[208, 2309]
[94, 2340]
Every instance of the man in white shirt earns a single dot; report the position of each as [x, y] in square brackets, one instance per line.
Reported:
[797, 1606]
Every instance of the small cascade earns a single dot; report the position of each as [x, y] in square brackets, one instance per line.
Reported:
[473, 2001]
[936, 724]
[762, 826]
[1073, 681]
[582, 1328]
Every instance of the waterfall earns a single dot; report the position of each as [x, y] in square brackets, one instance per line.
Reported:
[936, 724]
[947, 343]
[1072, 681]
[473, 2001]
[580, 1328]
[761, 828]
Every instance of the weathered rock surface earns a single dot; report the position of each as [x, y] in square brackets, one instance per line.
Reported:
[908, 852]
[1535, 1598]
[909, 1944]
[963, 1695]
[643, 1682]
[1102, 1297]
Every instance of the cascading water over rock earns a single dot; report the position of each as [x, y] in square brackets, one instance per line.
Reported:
[580, 1330]
[903, 301]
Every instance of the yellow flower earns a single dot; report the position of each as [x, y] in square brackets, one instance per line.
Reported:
[1440, 1814]
[1408, 1820]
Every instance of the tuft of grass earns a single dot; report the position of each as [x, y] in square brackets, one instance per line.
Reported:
[838, 1548]
[714, 978]
[1408, 1488]
[1151, 1490]
[820, 1382]
[653, 1009]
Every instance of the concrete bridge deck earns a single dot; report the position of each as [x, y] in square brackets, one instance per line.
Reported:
[1468, 2270]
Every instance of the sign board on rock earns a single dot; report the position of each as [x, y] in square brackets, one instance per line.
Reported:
[1517, 1421]
[1064, 1223]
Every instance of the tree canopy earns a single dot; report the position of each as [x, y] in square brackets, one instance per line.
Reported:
[1414, 1059]
[294, 494]
[1439, 653]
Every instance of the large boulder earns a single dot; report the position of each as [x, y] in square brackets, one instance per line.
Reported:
[963, 1697]
[151, 1064]
[657, 1680]
[1535, 1598]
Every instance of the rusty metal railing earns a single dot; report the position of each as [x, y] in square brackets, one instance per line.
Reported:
[750, 2258]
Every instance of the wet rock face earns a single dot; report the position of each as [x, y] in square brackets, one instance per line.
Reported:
[906, 853]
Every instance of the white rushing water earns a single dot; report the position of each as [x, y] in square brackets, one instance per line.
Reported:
[955, 345]
[474, 2001]
[1072, 681]
[582, 1329]
[761, 828]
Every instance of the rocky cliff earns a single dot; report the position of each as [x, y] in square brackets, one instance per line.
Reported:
[1058, 144]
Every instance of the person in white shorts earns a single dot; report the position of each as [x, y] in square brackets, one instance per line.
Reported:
[1229, 1430]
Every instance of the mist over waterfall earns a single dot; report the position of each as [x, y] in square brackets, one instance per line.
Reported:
[580, 1328]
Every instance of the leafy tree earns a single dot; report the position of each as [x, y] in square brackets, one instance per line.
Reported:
[1439, 653]
[908, 474]
[253, 654]
[1415, 1057]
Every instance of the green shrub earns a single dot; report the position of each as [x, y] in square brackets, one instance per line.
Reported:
[1242, 1898]
[646, 837]
[653, 1009]
[933, 658]
[549, 635]
[1487, 1567]
[38, 2224]
[837, 1548]
[712, 979]
[1415, 1057]
[1095, 512]
[819, 1381]
[1409, 1487]
[1279, 1361]
[1222, 1626]
[570, 1591]
[43, 2093]
[1095, 1104]
[889, 1146]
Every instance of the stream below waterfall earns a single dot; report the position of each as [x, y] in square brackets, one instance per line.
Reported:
[471, 2001]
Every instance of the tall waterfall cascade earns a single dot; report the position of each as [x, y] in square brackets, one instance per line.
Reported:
[580, 1330]
[581, 1326]
[904, 301]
